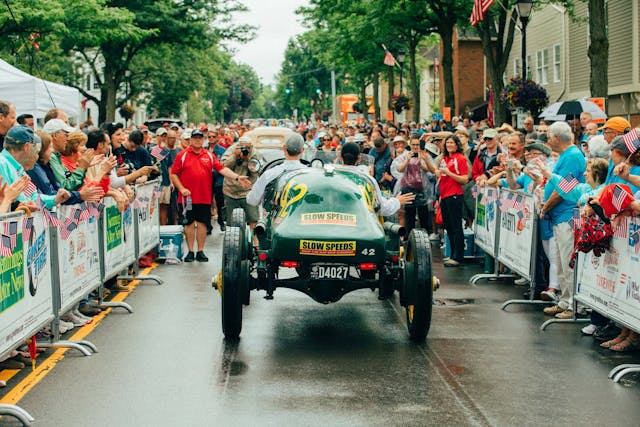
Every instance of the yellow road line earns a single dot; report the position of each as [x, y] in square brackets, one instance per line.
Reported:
[42, 369]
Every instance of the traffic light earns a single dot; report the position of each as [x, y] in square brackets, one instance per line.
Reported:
[289, 88]
[318, 91]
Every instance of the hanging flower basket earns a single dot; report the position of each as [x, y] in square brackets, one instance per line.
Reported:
[400, 102]
[525, 94]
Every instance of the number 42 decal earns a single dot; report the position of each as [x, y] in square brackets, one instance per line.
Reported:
[369, 251]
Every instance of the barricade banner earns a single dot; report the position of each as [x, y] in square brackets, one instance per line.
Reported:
[118, 247]
[148, 216]
[610, 283]
[25, 278]
[517, 231]
[78, 254]
[485, 224]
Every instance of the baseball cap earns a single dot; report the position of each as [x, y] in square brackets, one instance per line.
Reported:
[398, 139]
[56, 125]
[21, 134]
[294, 143]
[186, 134]
[619, 124]
[196, 132]
[144, 128]
[540, 146]
[432, 148]
[174, 125]
[161, 131]
[490, 133]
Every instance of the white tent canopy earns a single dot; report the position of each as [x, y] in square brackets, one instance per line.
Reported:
[35, 96]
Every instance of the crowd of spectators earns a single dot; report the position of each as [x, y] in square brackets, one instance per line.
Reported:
[206, 171]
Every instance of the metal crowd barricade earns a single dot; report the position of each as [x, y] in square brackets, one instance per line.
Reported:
[518, 239]
[25, 287]
[487, 231]
[117, 246]
[74, 268]
[146, 225]
[610, 283]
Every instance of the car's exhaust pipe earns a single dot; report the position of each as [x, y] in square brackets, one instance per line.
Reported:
[393, 228]
[260, 229]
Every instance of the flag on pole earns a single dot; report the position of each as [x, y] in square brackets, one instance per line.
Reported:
[619, 197]
[631, 141]
[159, 153]
[67, 228]
[85, 212]
[480, 7]
[31, 188]
[621, 228]
[388, 57]
[11, 230]
[568, 184]
[51, 218]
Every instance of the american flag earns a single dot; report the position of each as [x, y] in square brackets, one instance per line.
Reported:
[622, 228]
[75, 217]
[159, 152]
[631, 141]
[619, 197]
[518, 203]
[480, 7]
[576, 221]
[389, 59]
[85, 213]
[51, 217]
[568, 183]
[634, 240]
[31, 188]
[67, 228]
[5, 246]
[510, 202]
[11, 230]
[27, 225]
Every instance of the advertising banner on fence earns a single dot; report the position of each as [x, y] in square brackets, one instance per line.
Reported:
[148, 216]
[25, 278]
[119, 244]
[485, 223]
[517, 219]
[610, 284]
[78, 253]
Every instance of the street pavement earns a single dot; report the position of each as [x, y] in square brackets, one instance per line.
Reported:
[300, 363]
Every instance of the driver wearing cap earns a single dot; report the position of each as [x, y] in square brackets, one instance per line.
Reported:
[293, 149]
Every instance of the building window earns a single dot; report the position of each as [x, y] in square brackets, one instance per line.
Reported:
[529, 62]
[95, 84]
[88, 85]
[542, 66]
[556, 63]
[516, 67]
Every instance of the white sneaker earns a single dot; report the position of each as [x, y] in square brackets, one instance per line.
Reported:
[589, 329]
[72, 318]
[77, 313]
[434, 237]
[521, 281]
[65, 326]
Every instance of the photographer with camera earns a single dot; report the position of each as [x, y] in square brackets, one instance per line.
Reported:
[238, 158]
[415, 162]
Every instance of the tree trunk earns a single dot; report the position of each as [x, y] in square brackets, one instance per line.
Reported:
[497, 55]
[109, 98]
[415, 93]
[598, 49]
[362, 98]
[376, 99]
[446, 34]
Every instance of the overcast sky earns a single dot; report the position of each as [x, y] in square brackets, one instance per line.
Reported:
[277, 23]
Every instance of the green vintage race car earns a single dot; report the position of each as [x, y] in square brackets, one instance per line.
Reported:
[321, 236]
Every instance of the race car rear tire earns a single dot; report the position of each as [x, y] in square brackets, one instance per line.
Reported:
[232, 284]
[418, 292]
[239, 219]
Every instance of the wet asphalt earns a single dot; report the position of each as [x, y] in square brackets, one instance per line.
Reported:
[300, 363]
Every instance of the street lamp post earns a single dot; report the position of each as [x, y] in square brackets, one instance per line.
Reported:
[524, 11]
[401, 57]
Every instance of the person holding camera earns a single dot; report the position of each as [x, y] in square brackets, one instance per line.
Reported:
[414, 164]
[239, 158]
[192, 175]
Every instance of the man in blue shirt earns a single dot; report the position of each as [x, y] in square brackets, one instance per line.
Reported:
[560, 212]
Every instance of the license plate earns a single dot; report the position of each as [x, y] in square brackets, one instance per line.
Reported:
[329, 271]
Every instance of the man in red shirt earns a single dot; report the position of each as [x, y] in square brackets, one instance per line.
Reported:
[192, 175]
